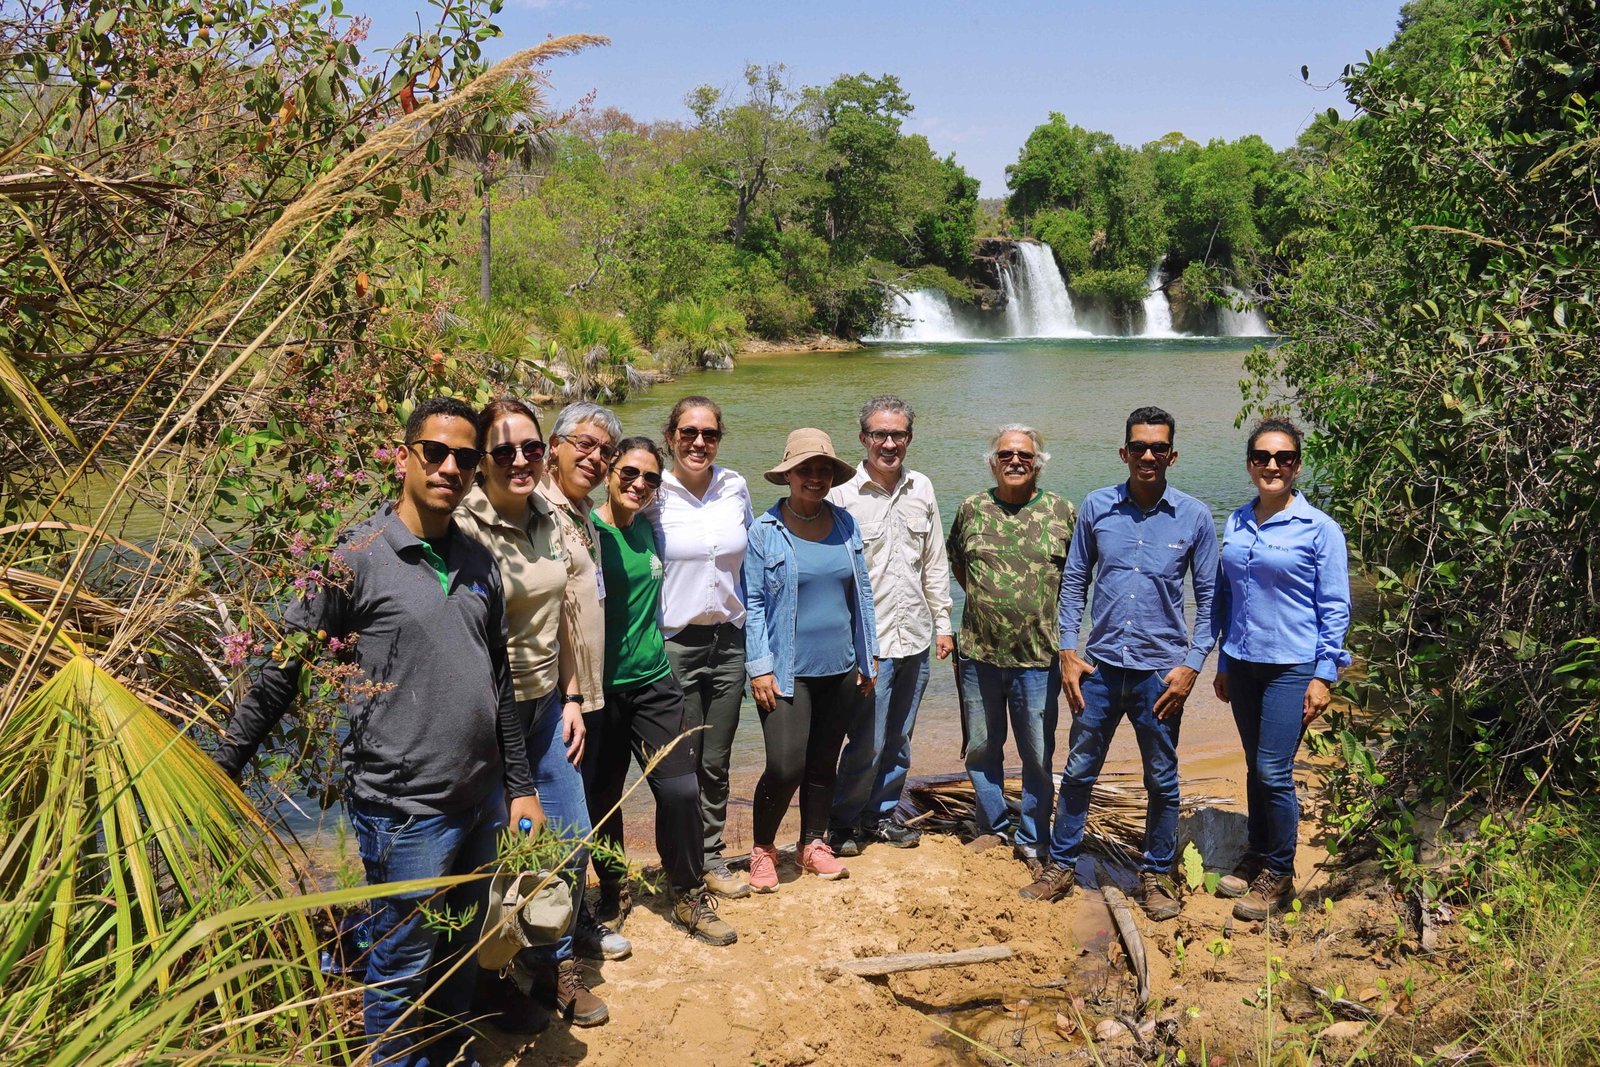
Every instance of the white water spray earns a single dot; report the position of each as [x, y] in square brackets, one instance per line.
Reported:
[1037, 301]
[1247, 323]
[1157, 308]
[928, 316]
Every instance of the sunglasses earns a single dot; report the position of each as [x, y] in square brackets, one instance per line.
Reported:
[586, 445]
[506, 455]
[1137, 449]
[883, 437]
[687, 434]
[629, 475]
[434, 452]
[1260, 457]
[1007, 455]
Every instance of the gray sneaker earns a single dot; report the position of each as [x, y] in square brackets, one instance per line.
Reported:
[596, 941]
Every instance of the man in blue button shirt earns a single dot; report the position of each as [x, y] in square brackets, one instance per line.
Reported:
[1136, 539]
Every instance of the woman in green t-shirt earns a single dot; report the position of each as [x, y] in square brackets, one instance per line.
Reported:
[644, 708]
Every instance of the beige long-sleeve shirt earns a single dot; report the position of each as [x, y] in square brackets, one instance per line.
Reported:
[583, 619]
[906, 558]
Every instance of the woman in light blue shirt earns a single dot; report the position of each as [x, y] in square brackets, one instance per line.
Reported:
[1282, 608]
[811, 646]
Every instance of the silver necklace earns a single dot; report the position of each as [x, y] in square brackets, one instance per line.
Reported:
[813, 517]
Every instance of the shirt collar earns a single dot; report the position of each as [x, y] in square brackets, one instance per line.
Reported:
[863, 483]
[1166, 499]
[480, 507]
[399, 535]
[720, 476]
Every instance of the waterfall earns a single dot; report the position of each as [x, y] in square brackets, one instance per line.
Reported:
[928, 316]
[1157, 308]
[1248, 323]
[1037, 302]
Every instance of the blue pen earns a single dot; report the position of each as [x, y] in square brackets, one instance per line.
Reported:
[525, 824]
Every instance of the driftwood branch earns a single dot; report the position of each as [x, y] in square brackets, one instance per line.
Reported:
[877, 966]
[1123, 914]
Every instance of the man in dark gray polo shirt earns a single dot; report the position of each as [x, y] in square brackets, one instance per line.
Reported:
[433, 749]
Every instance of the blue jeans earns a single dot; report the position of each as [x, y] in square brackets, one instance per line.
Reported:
[877, 754]
[560, 787]
[1029, 694]
[1269, 709]
[409, 954]
[1109, 694]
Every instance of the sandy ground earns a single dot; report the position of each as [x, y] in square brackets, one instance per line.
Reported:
[770, 999]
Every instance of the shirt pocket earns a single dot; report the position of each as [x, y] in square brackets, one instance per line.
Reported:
[872, 532]
[1172, 557]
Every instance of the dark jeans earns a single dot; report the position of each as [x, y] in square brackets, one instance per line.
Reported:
[1027, 697]
[803, 735]
[560, 786]
[644, 721]
[408, 954]
[1109, 694]
[708, 662]
[877, 754]
[1269, 708]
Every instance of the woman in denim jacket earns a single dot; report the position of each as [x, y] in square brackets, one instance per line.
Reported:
[810, 649]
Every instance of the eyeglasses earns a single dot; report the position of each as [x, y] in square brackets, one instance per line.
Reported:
[1006, 455]
[1137, 449]
[883, 437]
[434, 452]
[586, 445]
[1260, 457]
[710, 435]
[629, 475]
[506, 455]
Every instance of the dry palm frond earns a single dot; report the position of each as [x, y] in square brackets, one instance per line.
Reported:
[1116, 809]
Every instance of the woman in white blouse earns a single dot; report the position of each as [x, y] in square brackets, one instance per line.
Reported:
[701, 518]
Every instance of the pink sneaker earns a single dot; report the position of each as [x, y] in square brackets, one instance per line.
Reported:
[763, 869]
[819, 859]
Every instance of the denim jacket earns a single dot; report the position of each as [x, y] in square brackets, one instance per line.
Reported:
[772, 588]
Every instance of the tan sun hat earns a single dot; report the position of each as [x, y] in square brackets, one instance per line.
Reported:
[804, 444]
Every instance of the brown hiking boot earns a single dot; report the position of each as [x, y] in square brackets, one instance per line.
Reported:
[1053, 882]
[1159, 896]
[573, 998]
[1237, 884]
[1268, 893]
[695, 913]
[724, 883]
[1034, 864]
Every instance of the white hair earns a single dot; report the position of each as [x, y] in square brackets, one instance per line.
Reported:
[1040, 456]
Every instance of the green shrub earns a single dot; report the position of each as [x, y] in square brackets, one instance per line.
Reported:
[698, 333]
[595, 354]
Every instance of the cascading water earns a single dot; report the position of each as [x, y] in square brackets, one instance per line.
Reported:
[1037, 301]
[1157, 308]
[1247, 323]
[928, 316]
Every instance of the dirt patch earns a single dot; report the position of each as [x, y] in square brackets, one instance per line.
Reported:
[820, 342]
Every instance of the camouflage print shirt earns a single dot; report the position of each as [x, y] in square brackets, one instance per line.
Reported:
[1012, 565]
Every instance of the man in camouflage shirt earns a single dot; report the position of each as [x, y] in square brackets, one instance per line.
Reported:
[1007, 549]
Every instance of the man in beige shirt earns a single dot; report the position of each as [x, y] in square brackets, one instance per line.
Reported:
[899, 520]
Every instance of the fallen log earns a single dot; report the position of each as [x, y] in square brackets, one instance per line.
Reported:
[877, 966]
[1123, 915]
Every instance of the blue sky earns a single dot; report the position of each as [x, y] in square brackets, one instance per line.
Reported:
[981, 75]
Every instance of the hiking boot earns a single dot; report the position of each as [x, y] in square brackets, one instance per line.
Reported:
[695, 912]
[763, 869]
[1051, 883]
[573, 998]
[844, 842]
[724, 883]
[1268, 893]
[616, 900]
[593, 940]
[1159, 896]
[1237, 884]
[894, 833]
[1034, 864]
[503, 1003]
[817, 857]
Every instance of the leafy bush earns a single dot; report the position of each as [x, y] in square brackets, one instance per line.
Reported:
[594, 352]
[1441, 331]
[698, 334]
[1124, 287]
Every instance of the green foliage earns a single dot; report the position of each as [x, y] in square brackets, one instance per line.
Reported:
[1124, 286]
[1194, 867]
[1440, 330]
[698, 334]
[595, 353]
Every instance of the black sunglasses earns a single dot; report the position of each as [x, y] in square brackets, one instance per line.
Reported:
[628, 475]
[1137, 449]
[506, 455]
[687, 434]
[434, 452]
[1260, 457]
[1006, 455]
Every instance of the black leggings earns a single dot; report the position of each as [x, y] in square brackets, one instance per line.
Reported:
[804, 734]
[643, 721]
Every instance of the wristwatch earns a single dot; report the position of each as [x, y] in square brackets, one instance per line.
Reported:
[572, 698]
